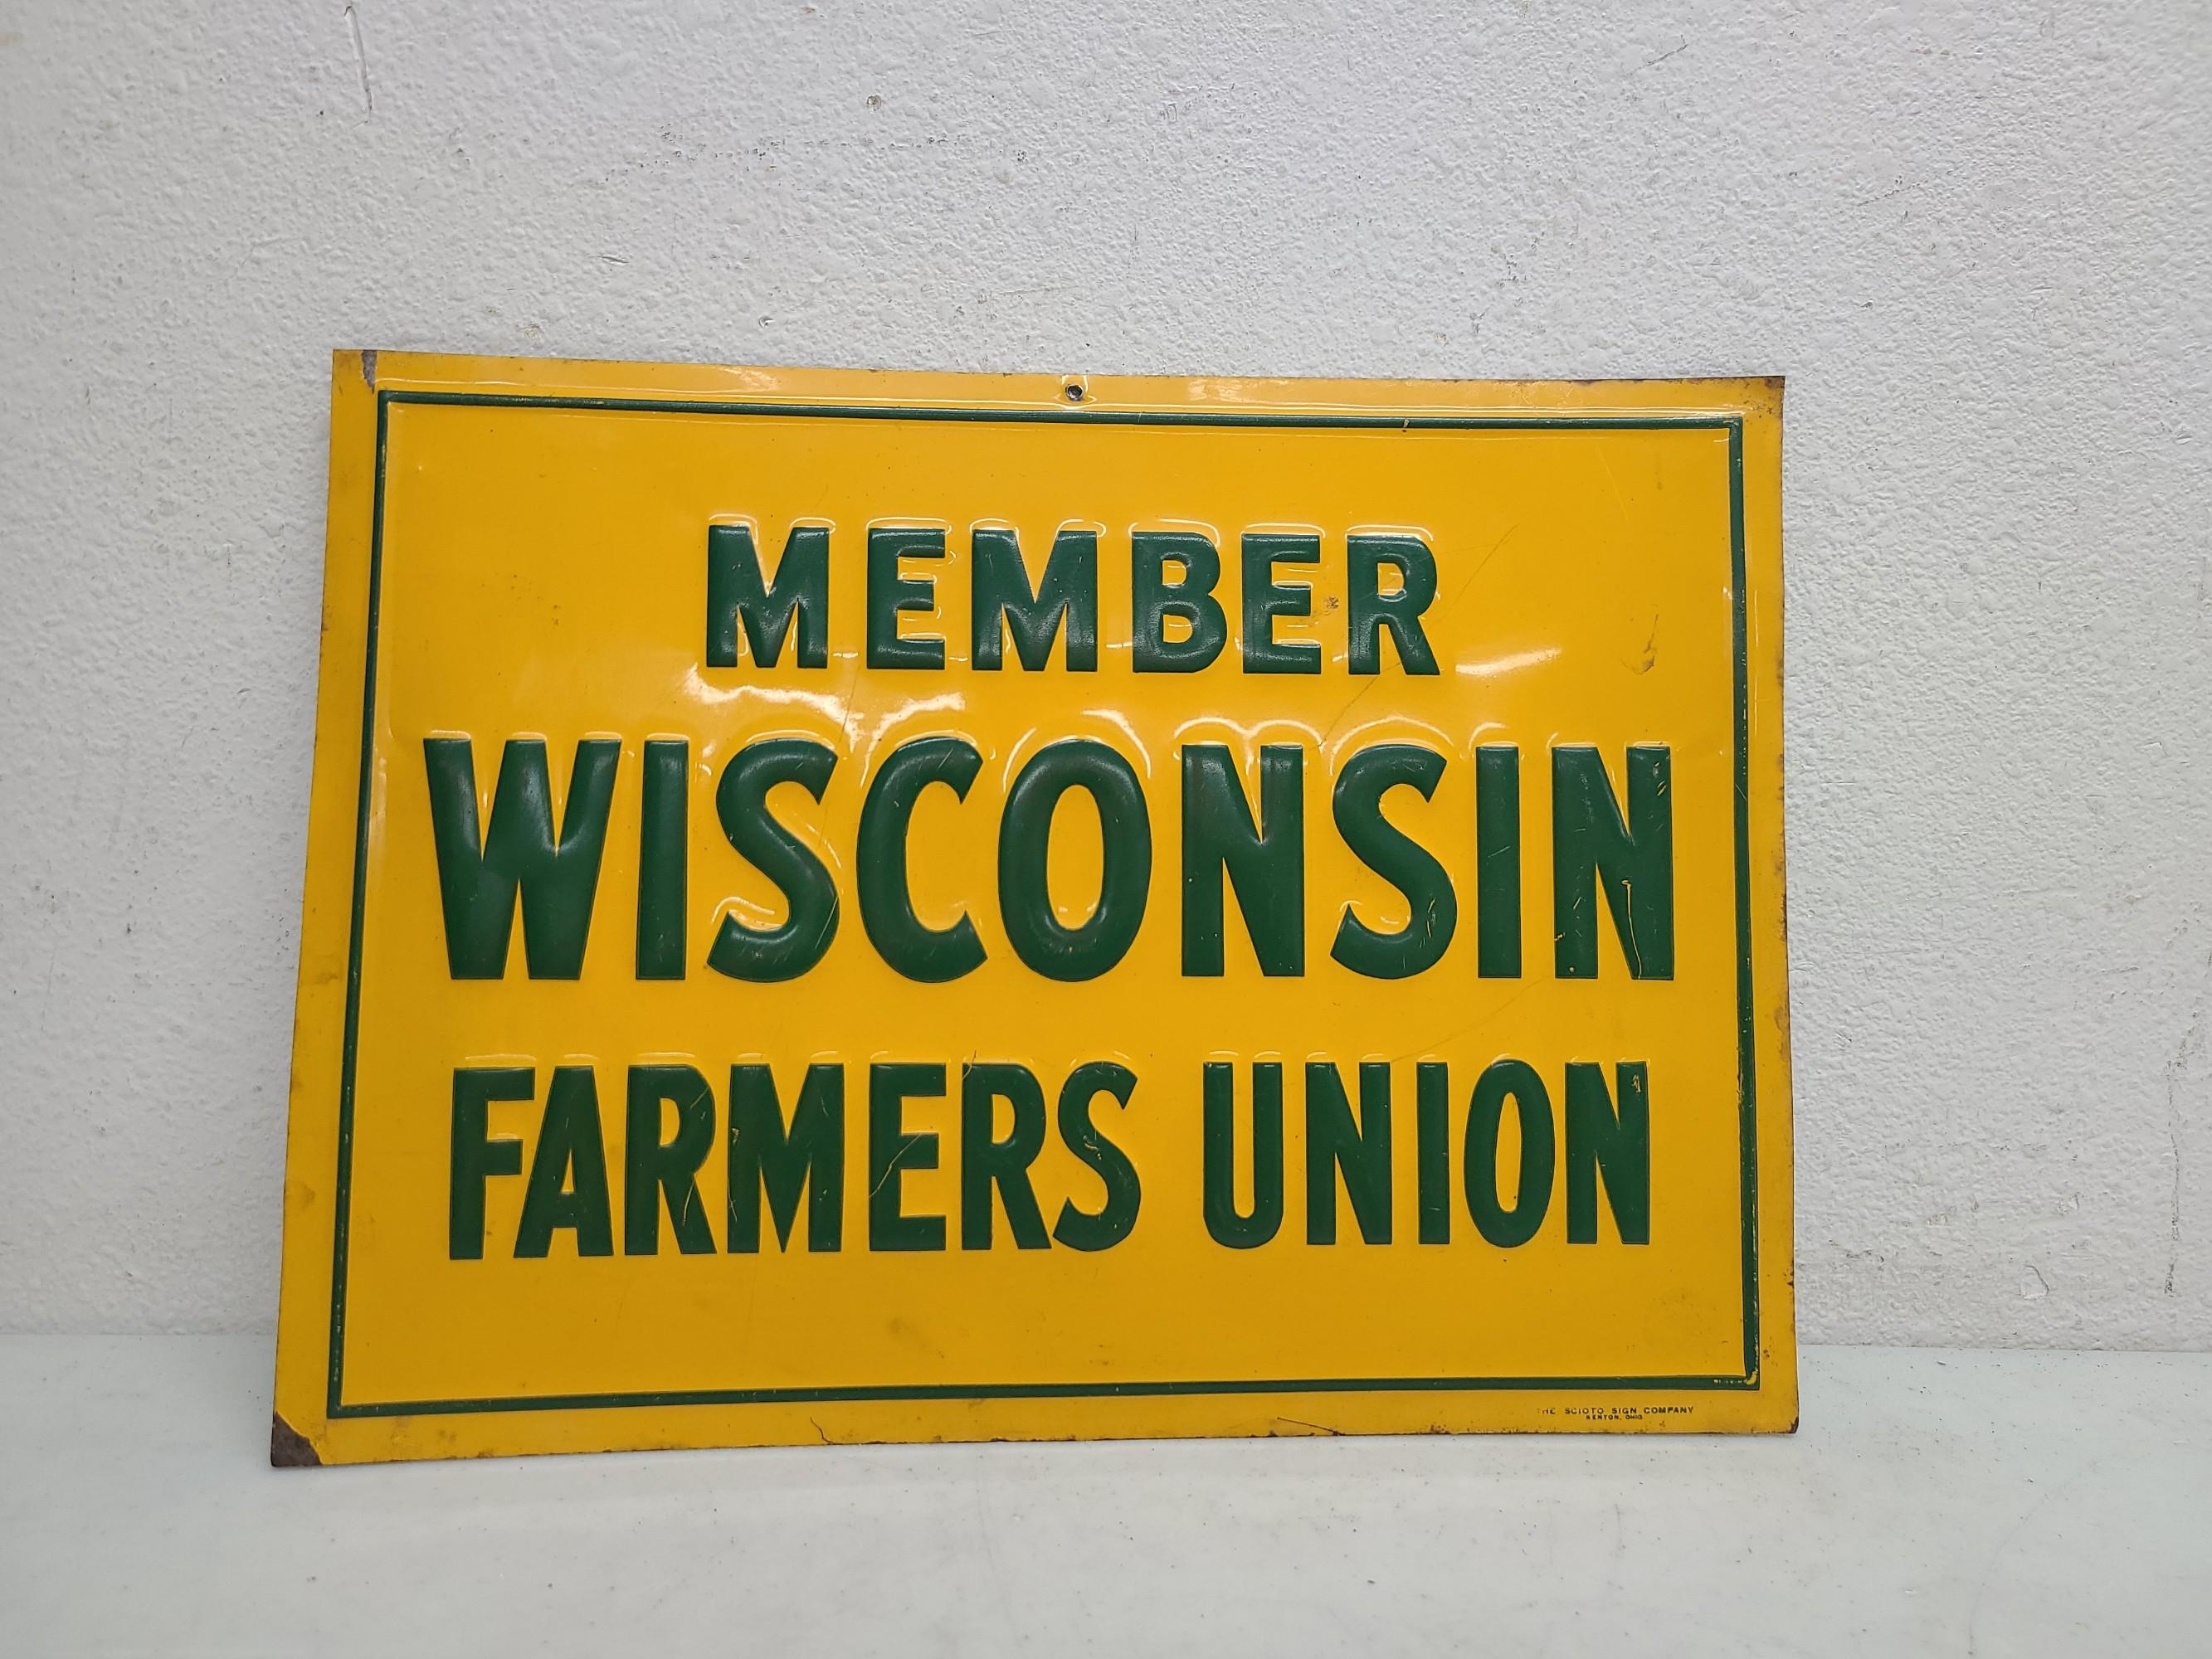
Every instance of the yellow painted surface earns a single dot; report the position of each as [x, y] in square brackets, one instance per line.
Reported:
[540, 570]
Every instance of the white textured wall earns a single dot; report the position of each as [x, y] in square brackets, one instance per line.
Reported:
[1976, 238]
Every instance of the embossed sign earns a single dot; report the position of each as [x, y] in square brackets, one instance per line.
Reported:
[862, 907]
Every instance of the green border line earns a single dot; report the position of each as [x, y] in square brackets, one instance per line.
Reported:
[341, 1223]
[1746, 1019]
[1745, 1047]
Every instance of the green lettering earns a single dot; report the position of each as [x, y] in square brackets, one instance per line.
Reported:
[1633, 862]
[1497, 861]
[1361, 1151]
[1432, 1149]
[930, 955]
[1125, 880]
[1229, 1226]
[1433, 909]
[654, 1170]
[768, 955]
[662, 852]
[893, 1150]
[558, 881]
[477, 1156]
[736, 593]
[1617, 1144]
[985, 1163]
[1265, 864]
[1372, 609]
[889, 593]
[568, 1176]
[1264, 599]
[1503, 1080]
[765, 1157]
[1154, 599]
[1108, 1224]
[1002, 602]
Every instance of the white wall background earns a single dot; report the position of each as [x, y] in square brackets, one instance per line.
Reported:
[1976, 238]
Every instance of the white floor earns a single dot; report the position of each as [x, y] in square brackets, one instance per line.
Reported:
[1934, 1502]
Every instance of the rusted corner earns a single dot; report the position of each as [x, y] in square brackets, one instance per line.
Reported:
[369, 369]
[289, 1448]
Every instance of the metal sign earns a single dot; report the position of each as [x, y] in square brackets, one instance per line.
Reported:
[868, 907]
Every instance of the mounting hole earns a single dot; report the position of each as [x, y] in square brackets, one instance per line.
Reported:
[1073, 392]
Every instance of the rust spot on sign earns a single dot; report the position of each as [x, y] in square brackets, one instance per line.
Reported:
[289, 1448]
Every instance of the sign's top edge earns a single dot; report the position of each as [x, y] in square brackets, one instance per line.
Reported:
[1746, 396]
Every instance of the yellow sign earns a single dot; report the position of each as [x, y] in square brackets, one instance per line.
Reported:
[870, 907]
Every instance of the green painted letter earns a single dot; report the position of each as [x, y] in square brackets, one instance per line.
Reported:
[654, 1170]
[1503, 1080]
[893, 1150]
[1108, 1224]
[1497, 861]
[1433, 909]
[927, 954]
[1190, 598]
[1266, 864]
[1372, 609]
[985, 1163]
[558, 881]
[1361, 1151]
[1240, 1231]
[736, 594]
[663, 843]
[889, 593]
[1433, 1150]
[569, 1176]
[1634, 862]
[1264, 599]
[767, 955]
[477, 1156]
[1001, 601]
[1025, 904]
[1618, 1145]
[809, 1157]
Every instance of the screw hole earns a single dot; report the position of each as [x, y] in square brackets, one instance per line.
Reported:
[1074, 392]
